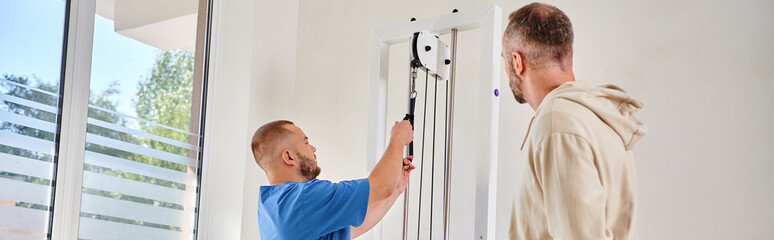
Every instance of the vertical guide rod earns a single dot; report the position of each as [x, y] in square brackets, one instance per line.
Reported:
[412, 94]
[449, 128]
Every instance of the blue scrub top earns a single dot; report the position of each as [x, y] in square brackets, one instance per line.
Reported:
[315, 209]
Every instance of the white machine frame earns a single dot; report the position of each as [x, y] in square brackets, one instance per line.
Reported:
[489, 20]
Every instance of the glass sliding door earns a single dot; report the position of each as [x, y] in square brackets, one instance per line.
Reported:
[141, 164]
[141, 161]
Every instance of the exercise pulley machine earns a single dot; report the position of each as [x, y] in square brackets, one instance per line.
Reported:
[436, 59]
[478, 95]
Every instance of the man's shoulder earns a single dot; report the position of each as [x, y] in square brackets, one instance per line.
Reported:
[317, 185]
[563, 116]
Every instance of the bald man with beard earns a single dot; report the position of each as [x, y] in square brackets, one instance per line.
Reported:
[297, 205]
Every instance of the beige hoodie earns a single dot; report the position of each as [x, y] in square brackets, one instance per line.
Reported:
[580, 180]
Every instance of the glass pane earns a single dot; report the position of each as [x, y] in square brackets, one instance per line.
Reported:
[141, 163]
[30, 70]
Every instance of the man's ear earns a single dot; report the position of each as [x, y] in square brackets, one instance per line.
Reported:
[518, 62]
[288, 158]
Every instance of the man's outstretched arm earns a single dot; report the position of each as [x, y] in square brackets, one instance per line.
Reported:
[386, 175]
[376, 212]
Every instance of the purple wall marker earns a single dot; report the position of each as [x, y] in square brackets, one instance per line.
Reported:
[497, 92]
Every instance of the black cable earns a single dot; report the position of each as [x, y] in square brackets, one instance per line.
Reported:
[432, 170]
[422, 157]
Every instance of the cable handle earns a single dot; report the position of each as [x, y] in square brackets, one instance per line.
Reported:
[410, 117]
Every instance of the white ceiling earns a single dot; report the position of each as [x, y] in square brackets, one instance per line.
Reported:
[167, 25]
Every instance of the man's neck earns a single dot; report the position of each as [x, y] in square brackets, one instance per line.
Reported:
[545, 82]
[280, 177]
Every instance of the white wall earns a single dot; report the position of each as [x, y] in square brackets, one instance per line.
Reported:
[703, 68]
[251, 82]
[271, 98]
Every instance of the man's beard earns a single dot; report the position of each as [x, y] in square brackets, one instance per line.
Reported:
[516, 88]
[309, 168]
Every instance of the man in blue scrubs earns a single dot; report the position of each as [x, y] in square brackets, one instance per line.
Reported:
[297, 205]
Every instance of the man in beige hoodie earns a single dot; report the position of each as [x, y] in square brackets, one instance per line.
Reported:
[580, 180]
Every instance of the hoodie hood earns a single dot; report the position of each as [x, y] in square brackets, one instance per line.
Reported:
[610, 103]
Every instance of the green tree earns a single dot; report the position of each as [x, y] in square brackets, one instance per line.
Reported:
[165, 96]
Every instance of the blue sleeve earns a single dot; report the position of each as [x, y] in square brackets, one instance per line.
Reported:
[331, 206]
